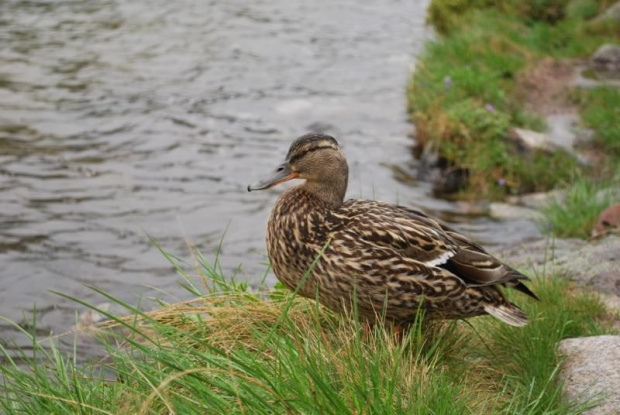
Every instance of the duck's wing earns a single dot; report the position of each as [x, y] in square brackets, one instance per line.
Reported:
[386, 226]
[414, 234]
[482, 268]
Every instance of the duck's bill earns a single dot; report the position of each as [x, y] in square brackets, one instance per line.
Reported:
[281, 175]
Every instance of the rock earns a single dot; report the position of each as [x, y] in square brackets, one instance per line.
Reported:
[608, 220]
[595, 265]
[446, 179]
[612, 13]
[606, 60]
[537, 200]
[320, 127]
[508, 211]
[612, 302]
[469, 208]
[591, 371]
[610, 193]
[527, 140]
[563, 131]
[89, 318]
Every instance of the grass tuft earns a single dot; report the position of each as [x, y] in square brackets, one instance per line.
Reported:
[574, 215]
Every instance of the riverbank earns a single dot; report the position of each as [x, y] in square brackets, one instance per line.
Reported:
[496, 97]
[233, 350]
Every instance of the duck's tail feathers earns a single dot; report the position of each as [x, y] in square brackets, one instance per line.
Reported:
[519, 286]
[508, 313]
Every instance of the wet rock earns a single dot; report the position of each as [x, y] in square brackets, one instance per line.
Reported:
[595, 265]
[446, 179]
[88, 319]
[320, 127]
[508, 211]
[591, 371]
[537, 200]
[606, 60]
[468, 208]
[612, 13]
[608, 221]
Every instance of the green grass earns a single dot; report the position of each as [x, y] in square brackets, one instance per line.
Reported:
[464, 96]
[600, 111]
[231, 350]
[574, 215]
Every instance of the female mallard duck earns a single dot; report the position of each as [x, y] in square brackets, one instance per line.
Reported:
[395, 260]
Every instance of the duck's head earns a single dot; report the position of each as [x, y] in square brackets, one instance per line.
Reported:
[318, 159]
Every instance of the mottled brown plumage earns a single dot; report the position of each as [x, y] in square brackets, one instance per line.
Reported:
[394, 259]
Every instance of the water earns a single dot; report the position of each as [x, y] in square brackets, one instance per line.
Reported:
[124, 117]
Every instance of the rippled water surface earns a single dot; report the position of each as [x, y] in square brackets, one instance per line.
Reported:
[120, 117]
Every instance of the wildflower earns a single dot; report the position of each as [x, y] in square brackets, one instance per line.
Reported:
[490, 108]
[501, 181]
[447, 82]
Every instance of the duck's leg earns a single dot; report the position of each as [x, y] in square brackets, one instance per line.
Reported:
[398, 332]
[367, 330]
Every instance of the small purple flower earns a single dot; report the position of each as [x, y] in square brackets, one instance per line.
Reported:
[490, 108]
[447, 82]
[501, 181]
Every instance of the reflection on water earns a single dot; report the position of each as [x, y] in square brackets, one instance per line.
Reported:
[120, 117]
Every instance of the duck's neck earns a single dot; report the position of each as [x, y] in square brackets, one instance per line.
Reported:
[331, 193]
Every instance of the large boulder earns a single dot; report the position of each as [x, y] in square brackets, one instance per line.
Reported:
[606, 60]
[595, 265]
[591, 372]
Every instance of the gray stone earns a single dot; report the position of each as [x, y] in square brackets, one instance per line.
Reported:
[591, 372]
[508, 211]
[594, 265]
[528, 140]
[612, 302]
[607, 59]
[587, 82]
[90, 318]
[612, 13]
[537, 200]
[563, 132]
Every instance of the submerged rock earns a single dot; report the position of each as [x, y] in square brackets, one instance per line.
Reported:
[591, 372]
[91, 317]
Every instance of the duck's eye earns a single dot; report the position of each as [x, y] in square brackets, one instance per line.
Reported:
[280, 169]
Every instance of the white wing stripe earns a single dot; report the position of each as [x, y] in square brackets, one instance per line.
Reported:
[443, 258]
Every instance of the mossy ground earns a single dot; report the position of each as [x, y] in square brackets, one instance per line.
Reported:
[464, 96]
[234, 351]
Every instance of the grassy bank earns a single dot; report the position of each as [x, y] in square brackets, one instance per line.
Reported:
[473, 85]
[230, 350]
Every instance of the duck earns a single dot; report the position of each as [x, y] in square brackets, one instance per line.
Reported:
[384, 261]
